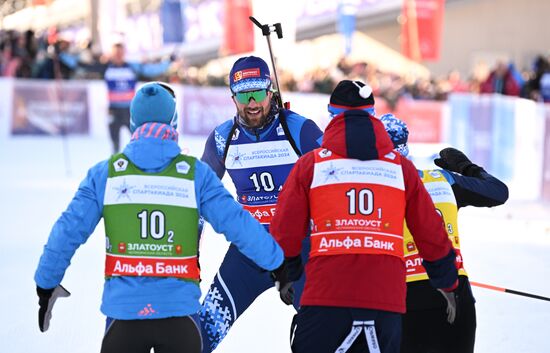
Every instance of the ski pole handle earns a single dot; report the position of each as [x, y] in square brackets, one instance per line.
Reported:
[266, 31]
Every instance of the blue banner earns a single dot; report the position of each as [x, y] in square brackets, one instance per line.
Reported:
[347, 12]
[172, 21]
[483, 127]
[503, 139]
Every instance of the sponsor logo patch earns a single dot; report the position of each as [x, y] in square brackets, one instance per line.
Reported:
[183, 167]
[324, 153]
[120, 165]
[248, 73]
[235, 135]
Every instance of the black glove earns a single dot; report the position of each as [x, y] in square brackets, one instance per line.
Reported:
[452, 304]
[294, 268]
[283, 285]
[46, 300]
[456, 161]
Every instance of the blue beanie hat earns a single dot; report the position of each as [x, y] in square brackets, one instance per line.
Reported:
[399, 134]
[249, 73]
[153, 102]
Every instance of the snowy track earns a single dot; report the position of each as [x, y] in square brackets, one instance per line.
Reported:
[508, 246]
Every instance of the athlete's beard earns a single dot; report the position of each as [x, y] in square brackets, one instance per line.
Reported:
[254, 121]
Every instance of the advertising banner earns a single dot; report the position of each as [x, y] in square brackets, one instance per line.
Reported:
[49, 108]
[546, 163]
[480, 130]
[424, 118]
[503, 140]
[483, 128]
[238, 32]
[203, 21]
[421, 29]
[315, 11]
[204, 108]
[171, 15]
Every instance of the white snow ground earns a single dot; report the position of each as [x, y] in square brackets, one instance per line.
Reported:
[507, 246]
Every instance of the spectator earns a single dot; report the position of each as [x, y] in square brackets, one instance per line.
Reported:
[504, 79]
[121, 77]
[58, 62]
[538, 86]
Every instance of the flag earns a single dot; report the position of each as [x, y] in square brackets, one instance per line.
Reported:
[238, 35]
[172, 21]
[421, 29]
[347, 11]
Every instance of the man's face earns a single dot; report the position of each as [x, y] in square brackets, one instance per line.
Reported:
[118, 53]
[255, 111]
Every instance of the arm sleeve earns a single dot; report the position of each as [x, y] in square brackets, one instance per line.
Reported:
[211, 157]
[226, 216]
[150, 70]
[73, 228]
[71, 61]
[310, 136]
[482, 191]
[291, 221]
[427, 230]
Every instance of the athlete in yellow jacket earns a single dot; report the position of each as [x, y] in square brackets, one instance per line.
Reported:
[438, 322]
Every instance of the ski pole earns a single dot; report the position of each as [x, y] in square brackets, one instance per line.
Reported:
[266, 31]
[58, 100]
[507, 290]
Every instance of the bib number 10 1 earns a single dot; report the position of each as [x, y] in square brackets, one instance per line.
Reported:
[361, 201]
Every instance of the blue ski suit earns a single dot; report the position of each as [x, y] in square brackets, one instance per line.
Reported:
[258, 162]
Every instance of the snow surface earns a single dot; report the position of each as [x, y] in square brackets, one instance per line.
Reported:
[508, 246]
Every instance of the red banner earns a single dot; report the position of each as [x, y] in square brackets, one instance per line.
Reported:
[238, 29]
[421, 29]
[424, 118]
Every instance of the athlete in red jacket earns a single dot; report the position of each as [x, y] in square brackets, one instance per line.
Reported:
[353, 194]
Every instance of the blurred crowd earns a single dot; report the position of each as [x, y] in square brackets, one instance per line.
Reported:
[50, 56]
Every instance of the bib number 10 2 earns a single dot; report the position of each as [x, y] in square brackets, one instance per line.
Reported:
[153, 224]
[361, 201]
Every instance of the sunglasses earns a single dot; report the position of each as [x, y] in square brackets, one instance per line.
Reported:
[244, 97]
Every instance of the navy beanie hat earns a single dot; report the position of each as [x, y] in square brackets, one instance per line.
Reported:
[153, 102]
[351, 95]
[249, 73]
[399, 134]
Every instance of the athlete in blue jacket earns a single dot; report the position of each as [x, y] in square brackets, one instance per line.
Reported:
[121, 77]
[150, 197]
[258, 148]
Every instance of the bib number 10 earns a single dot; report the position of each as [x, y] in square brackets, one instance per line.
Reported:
[153, 224]
[361, 201]
[263, 181]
